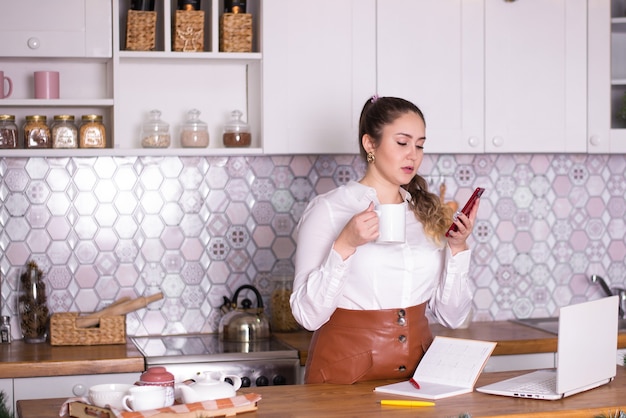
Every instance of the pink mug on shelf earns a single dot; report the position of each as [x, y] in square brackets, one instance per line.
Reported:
[46, 84]
[5, 80]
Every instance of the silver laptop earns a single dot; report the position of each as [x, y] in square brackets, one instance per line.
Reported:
[587, 343]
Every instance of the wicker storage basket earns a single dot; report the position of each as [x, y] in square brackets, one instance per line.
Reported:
[63, 330]
[141, 30]
[236, 32]
[188, 31]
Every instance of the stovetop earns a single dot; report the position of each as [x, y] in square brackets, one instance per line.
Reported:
[190, 348]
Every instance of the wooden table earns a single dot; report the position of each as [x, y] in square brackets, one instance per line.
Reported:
[359, 400]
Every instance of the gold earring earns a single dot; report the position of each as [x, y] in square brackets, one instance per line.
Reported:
[371, 158]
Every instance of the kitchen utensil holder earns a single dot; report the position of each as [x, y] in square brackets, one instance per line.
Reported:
[188, 31]
[141, 30]
[63, 330]
[236, 32]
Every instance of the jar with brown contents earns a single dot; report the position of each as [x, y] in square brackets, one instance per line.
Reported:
[282, 319]
[237, 132]
[64, 132]
[92, 133]
[8, 132]
[37, 132]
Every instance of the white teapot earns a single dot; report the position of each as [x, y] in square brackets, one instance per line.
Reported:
[209, 388]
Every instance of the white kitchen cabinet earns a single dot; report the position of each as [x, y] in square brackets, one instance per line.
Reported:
[84, 41]
[607, 76]
[431, 53]
[55, 28]
[491, 76]
[318, 71]
[6, 386]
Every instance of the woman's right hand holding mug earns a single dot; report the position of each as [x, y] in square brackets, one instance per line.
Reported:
[360, 229]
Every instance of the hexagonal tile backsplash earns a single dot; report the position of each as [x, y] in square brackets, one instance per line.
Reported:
[197, 228]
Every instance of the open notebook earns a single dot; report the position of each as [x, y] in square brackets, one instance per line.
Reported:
[587, 341]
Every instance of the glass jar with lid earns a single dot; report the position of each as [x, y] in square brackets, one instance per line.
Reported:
[64, 132]
[236, 131]
[154, 132]
[8, 132]
[92, 133]
[194, 133]
[37, 132]
[282, 319]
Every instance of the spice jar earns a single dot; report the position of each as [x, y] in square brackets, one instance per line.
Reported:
[155, 133]
[8, 132]
[194, 132]
[36, 132]
[236, 131]
[282, 319]
[64, 132]
[5, 329]
[92, 133]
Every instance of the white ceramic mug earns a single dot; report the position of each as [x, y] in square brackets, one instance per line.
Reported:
[46, 84]
[5, 93]
[108, 394]
[391, 223]
[143, 398]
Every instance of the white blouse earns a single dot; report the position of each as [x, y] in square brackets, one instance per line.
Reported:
[376, 276]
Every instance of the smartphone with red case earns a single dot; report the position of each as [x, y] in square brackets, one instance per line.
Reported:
[467, 208]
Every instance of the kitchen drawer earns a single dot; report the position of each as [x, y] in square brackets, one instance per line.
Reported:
[56, 28]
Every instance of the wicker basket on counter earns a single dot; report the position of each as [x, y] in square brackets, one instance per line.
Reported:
[141, 30]
[63, 330]
[236, 32]
[188, 31]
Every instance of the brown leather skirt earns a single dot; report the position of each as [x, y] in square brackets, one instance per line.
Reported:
[356, 345]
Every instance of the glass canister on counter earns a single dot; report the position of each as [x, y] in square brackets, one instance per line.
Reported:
[282, 319]
[8, 132]
[64, 132]
[92, 133]
[194, 133]
[155, 133]
[37, 132]
[236, 131]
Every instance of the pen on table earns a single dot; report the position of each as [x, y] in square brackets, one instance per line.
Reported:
[397, 402]
[414, 383]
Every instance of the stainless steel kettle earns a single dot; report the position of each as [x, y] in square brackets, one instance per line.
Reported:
[245, 323]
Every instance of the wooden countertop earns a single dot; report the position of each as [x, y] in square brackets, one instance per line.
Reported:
[512, 338]
[20, 359]
[359, 400]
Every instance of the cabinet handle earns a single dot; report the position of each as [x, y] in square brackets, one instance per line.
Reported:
[595, 140]
[473, 141]
[497, 141]
[79, 389]
[33, 43]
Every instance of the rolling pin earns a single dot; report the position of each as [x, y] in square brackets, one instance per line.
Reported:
[117, 308]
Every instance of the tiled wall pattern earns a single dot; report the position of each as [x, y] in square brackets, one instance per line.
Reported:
[198, 228]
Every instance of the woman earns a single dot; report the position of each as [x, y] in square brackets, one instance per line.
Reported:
[366, 301]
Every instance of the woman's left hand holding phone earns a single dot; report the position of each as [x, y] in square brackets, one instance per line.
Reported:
[458, 240]
[360, 229]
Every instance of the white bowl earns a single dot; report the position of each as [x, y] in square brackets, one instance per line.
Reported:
[109, 394]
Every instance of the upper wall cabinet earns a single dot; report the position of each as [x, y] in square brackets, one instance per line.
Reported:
[431, 52]
[85, 41]
[55, 28]
[607, 76]
[490, 76]
[318, 70]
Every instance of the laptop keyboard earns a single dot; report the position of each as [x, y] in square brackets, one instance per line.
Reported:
[543, 386]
